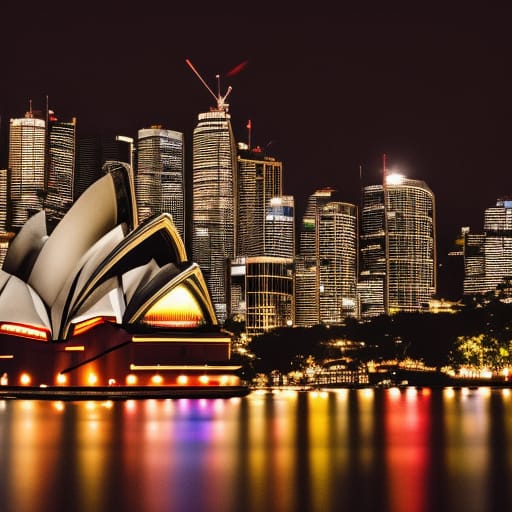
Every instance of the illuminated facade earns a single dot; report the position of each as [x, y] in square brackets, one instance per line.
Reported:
[397, 247]
[101, 300]
[27, 149]
[214, 202]
[307, 277]
[160, 178]
[61, 167]
[265, 289]
[488, 256]
[279, 227]
[259, 180]
[337, 234]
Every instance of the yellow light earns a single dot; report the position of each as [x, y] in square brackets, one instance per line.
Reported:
[182, 380]
[88, 324]
[61, 378]
[25, 331]
[179, 308]
[203, 379]
[131, 379]
[25, 379]
[157, 379]
[92, 379]
[75, 348]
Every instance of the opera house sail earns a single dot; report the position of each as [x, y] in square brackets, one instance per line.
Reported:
[97, 301]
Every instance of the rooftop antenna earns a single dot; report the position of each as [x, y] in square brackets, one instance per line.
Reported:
[249, 129]
[220, 100]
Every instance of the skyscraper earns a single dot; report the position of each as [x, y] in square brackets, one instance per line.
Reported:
[337, 244]
[488, 255]
[279, 227]
[214, 201]
[27, 148]
[398, 247]
[307, 285]
[160, 179]
[259, 180]
[61, 166]
[92, 153]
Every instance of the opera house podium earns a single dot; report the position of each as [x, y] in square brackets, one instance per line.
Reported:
[101, 306]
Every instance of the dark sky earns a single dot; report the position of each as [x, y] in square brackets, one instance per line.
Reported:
[328, 94]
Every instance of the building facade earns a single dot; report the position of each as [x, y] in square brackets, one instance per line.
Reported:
[160, 177]
[61, 167]
[398, 247]
[337, 245]
[488, 255]
[27, 159]
[214, 201]
[259, 180]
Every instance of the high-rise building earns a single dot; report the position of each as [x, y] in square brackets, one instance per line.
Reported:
[307, 285]
[61, 167]
[160, 178]
[397, 247]
[5, 235]
[263, 292]
[326, 275]
[337, 244]
[27, 156]
[308, 227]
[214, 201]
[488, 256]
[279, 228]
[259, 180]
[92, 153]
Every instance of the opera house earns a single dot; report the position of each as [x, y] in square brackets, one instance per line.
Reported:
[100, 301]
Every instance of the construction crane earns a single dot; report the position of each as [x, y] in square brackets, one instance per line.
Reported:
[221, 100]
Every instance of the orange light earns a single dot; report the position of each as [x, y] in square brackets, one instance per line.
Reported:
[182, 380]
[25, 331]
[131, 379]
[25, 379]
[61, 378]
[92, 379]
[204, 379]
[157, 379]
[178, 309]
[88, 324]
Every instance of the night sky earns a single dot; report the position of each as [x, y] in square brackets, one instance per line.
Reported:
[326, 94]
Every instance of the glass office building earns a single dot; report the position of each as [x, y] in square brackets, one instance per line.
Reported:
[160, 178]
[214, 202]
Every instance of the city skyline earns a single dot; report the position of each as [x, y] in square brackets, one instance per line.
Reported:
[327, 95]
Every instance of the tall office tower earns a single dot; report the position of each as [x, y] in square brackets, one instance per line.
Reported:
[27, 148]
[307, 232]
[326, 281]
[279, 228]
[474, 263]
[5, 235]
[337, 234]
[263, 292]
[488, 256]
[61, 167]
[160, 178]
[398, 247]
[91, 153]
[259, 180]
[214, 201]
[307, 306]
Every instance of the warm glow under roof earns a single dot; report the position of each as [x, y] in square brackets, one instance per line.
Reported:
[178, 308]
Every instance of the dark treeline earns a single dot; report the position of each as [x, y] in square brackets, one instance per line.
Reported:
[427, 337]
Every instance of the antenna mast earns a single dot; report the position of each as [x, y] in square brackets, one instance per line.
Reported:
[220, 100]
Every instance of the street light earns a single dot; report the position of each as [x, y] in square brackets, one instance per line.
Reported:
[129, 141]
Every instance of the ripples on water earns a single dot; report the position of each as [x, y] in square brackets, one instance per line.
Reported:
[346, 450]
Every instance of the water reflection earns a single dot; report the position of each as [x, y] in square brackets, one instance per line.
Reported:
[377, 450]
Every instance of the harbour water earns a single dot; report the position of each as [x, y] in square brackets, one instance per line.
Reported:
[398, 449]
